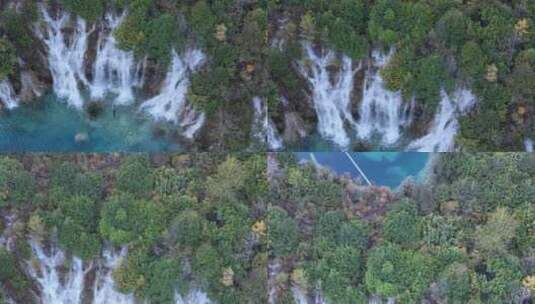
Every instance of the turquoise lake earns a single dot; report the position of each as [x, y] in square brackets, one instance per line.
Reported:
[381, 168]
[51, 126]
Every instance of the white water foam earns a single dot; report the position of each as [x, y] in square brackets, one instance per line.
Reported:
[194, 297]
[104, 291]
[260, 121]
[332, 99]
[65, 55]
[170, 104]
[441, 136]
[381, 111]
[273, 138]
[528, 144]
[114, 71]
[7, 95]
[56, 286]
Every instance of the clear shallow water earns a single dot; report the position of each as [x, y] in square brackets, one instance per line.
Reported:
[381, 168]
[51, 126]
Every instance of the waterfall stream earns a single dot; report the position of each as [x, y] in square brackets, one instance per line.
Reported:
[332, 99]
[381, 112]
[62, 280]
[260, 121]
[65, 55]
[441, 136]
[7, 95]
[55, 285]
[170, 104]
[114, 71]
[528, 144]
[104, 291]
[274, 140]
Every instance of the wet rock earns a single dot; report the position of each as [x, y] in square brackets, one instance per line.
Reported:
[294, 127]
[81, 137]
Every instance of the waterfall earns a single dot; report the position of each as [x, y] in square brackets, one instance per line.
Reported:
[332, 99]
[194, 297]
[7, 95]
[114, 70]
[274, 140]
[55, 285]
[260, 121]
[65, 55]
[104, 291]
[170, 104]
[528, 143]
[299, 296]
[441, 136]
[381, 111]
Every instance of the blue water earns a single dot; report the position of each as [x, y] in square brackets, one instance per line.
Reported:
[381, 168]
[51, 126]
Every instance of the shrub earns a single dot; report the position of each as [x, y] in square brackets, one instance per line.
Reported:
[282, 232]
[125, 219]
[70, 180]
[7, 58]
[16, 184]
[89, 10]
[402, 225]
[135, 176]
[187, 228]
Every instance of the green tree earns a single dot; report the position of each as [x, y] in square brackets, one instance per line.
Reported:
[522, 77]
[7, 58]
[282, 232]
[89, 10]
[227, 183]
[187, 228]
[494, 237]
[453, 28]
[455, 280]
[402, 225]
[78, 226]
[394, 272]
[135, 176]
[17, 186]
[125, 219]
[504, 277]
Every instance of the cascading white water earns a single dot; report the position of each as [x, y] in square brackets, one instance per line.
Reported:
[263, 130]
[441, 136]
[56, 286]
[274, 140]
[381, 111]
[114, 71]
[528, 143]
[299, 296]
[104, 291]
[260, 121]
[65, 55]
[194, 297]
[332, 100]
[170, 104]
[7, 95]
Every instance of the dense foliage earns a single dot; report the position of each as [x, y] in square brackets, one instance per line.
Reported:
[185, 223]
[464, 236]
[486, 46]
[252, 48]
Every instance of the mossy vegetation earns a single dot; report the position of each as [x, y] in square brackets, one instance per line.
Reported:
[462, 242]
[89, 202]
